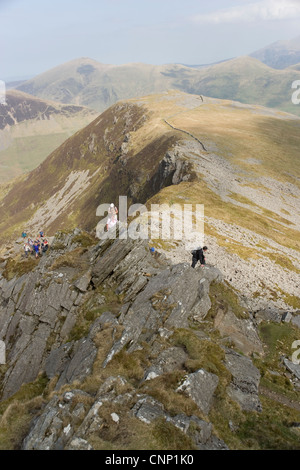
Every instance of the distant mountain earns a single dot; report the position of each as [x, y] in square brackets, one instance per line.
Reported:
[280, 54]
[89, 83]
[31, 128]
[247, 80]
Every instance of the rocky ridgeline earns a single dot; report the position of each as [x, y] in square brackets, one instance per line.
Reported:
[56, 320]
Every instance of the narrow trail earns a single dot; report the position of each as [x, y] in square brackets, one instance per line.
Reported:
[279, 398]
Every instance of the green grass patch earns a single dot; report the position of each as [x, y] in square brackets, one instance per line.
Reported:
[270, 430]
[17, 412]
[223, 297]
[16, 267]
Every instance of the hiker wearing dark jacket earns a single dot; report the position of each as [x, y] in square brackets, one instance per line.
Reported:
[198, 255]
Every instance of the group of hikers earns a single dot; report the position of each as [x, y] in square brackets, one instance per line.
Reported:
[35, 247]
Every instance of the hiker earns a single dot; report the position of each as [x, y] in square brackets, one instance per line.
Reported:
[24, 234]
[198, 255]
[41, 234]
[26, 249]
[45, 246]
[36, 249]
[112, 216]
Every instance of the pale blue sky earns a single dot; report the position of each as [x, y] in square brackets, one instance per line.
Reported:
[37, 35]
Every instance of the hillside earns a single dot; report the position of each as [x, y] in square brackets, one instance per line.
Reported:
[247, 177]
[247, 80]
[110, 345]
[89, 83]
[280, 54]
[31, 128]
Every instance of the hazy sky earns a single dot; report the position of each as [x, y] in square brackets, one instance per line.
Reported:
[37, 35]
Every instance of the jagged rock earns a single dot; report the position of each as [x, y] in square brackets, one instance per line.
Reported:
[241, 331]
[83, 282]
[108, 317]
[79, 444]
[170, 300]
[58, 359]
[296, 321]
[147, 409]
[167, 361]
[268, 315]
[293, 368]
[287, 317]
[245, 381]
[110, 259]
[83, 356]
[53, 429]
[202, 432]
[200, 387]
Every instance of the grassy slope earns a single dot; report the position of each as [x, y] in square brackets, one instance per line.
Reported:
[238, 134]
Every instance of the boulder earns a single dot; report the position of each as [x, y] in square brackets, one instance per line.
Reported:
[241, 331]
[245, 381]
[167, 361]
[293, 368]
[200, 387]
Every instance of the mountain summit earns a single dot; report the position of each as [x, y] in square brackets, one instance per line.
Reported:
[280, 54]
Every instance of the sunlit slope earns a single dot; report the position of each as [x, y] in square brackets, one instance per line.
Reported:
[251, 164]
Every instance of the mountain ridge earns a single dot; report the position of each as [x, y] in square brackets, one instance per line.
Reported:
[99, 86]
[118, 343]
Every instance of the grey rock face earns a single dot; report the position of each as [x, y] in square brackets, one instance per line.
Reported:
[293, 368]
[40, 309]
[245, 381]
[167, 361]
[147, 409]
[200, 386]
[73, 361]
[296, 320]
[242, 332]
[170, 299]
[54, 428]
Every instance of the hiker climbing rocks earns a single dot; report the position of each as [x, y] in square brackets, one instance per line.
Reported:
[112, 216]
[198, 255]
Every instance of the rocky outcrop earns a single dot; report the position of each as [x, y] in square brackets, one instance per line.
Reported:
[200, 386]
[241, 331]
[245, 381]
[43, 308]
